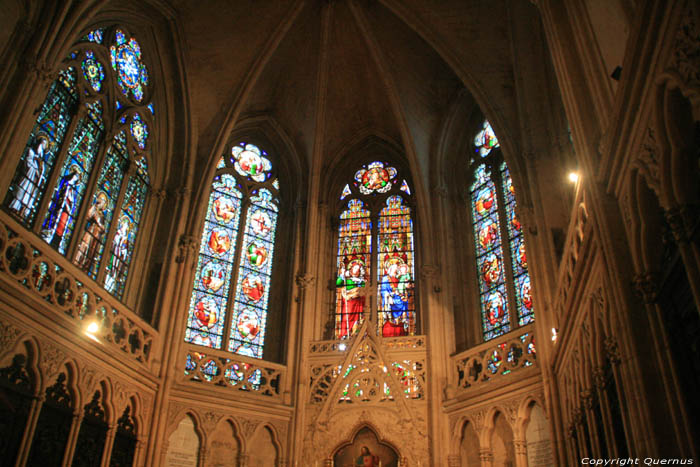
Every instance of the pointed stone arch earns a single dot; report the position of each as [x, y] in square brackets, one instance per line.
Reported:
[361, 433]
[179, 426]
[225, 441]
[264, 435]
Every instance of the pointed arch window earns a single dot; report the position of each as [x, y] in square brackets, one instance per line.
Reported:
[502, 270]
[82, 181]
[375, 210]
[229, 302]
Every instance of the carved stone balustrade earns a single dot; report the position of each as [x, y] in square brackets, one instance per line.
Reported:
[223, 369]
[493, 360]
[69, 297]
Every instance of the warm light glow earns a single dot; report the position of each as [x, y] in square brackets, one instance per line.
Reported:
[342, 347]
[93, 328]
[554, 334]
[573, 177]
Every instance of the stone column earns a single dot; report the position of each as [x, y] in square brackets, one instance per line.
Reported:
[454, 460]
[203, 454]
[26, 445]
[684, 225]
[109, 442]
[486, 456]
[520, 452]
[72, 437]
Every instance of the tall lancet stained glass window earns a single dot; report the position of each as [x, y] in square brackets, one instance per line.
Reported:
[375, 211]
[82, 180]
[229, 304]
[504, 280]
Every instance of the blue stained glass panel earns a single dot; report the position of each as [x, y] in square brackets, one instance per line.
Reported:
[93, 71]
[37, 162]
[125, 237]
[521, 275]
[489, 252]
[215, 263]
[59, 222]
[253, 283]
[132, 76]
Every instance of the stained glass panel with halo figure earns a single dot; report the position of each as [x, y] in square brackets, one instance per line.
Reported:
[125, 236]
[254, 274]
[250, 161]
[67, 196]
[102, 207]
[521, 276]
[207, 313]
[375, 177]
[353, 268]
[395, 270]
[45, 140]
[489, 253]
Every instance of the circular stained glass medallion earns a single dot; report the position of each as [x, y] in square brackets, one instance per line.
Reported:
[250, 161]
[248, 324]
[126, 61]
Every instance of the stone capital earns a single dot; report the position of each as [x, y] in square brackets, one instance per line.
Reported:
[304, 280]
[646, 285]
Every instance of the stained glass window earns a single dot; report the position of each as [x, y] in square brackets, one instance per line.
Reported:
[59, 221]
[353, 266]
[45, 141]
[485, 140]
[396, 315]
[375, 177]
[521, 276]
[235, 254]
[54, 177]
[497, 232]
[390, 264]
[254, 274]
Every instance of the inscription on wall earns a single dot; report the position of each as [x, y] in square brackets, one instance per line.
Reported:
[183, 445]
[539, 444]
